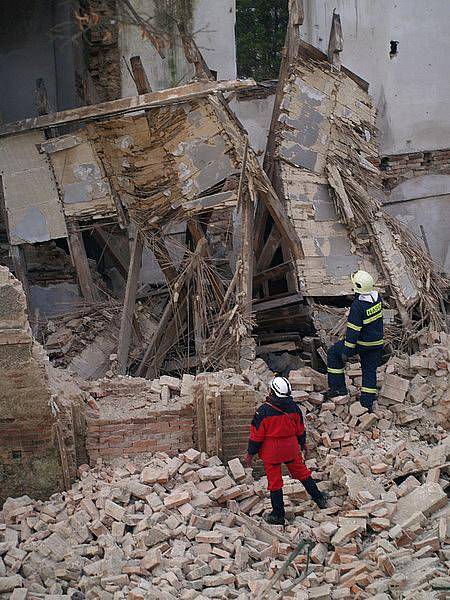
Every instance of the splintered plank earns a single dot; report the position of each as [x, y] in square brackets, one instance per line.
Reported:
[170, 323]
[246, 208]
[183, 93]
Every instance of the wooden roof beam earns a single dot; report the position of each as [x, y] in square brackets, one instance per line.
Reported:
[183, 93]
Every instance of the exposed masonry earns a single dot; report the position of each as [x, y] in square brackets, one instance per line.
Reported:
[29, 457]
[397, 168]
[131, 416]
[102, 49]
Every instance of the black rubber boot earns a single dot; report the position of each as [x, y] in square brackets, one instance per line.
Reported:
[316, 495]
[367, 404]
[276, 517]
[330, 394]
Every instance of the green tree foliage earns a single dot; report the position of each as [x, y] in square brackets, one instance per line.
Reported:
[260, 31]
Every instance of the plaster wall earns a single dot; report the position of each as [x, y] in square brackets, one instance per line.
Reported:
[411, 90]
[425, 201]
[255, 115]
[212, 24]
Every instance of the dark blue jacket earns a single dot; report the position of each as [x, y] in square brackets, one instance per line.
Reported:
[364, 325]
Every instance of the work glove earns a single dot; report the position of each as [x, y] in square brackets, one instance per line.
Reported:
[344, 358]
[249, 460]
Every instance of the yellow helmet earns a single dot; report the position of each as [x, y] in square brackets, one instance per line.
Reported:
[363, 282]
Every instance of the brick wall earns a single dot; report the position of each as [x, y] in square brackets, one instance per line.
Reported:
[128, 417]
[238, 408]
[223, 412]
[102, 48]
[29, 457]
[400, 167]
[159, 431]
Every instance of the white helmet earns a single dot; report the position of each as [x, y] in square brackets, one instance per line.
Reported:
[363, 282]
[281, 387]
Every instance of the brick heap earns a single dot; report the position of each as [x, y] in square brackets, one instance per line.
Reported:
[397, 168]
[188, 527]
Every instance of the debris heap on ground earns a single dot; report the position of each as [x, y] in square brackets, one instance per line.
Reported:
[188, 526]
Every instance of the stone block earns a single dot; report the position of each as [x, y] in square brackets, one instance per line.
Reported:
[8, 584]
[429, 497]
[114, 510]
[237, 469]
[394, 388]
[177, 498]
[151, 475]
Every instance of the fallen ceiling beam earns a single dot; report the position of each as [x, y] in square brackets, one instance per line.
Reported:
[276, 302]
[110, 249]
[183, 93]
[270, 247]
[274, 273]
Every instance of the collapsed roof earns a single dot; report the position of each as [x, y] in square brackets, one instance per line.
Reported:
[181, 156]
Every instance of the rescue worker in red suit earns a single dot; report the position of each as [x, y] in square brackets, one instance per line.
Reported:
[277, 433]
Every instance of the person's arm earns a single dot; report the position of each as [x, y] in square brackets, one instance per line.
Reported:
[257, 435]
[354, 325]
[301, 431]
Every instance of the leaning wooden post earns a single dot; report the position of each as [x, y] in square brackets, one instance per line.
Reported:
[246, 208]
[129, 302]
[137, 249]
[81, 263]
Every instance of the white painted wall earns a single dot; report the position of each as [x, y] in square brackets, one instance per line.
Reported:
[411, 90]
[425, 201]
[212, 24]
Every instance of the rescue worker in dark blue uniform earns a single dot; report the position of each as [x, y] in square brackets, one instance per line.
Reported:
[364, 336]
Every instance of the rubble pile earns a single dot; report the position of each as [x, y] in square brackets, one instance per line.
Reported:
[118, 393]
[73, 339]
[67, 336]
[188, 526]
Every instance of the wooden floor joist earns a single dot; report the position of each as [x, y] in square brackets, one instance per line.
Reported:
[277, 302]
[273, 273]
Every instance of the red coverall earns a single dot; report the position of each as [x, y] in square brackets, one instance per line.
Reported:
[276, 434]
